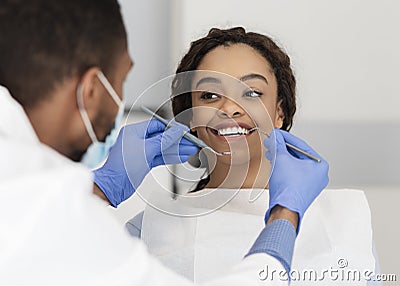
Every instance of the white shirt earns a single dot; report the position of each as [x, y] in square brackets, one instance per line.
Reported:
[55, 232]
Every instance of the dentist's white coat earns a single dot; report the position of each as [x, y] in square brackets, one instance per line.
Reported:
[53, 231]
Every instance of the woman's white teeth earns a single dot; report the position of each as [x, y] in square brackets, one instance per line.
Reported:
[232, 131]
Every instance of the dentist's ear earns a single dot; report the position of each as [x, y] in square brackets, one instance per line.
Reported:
[85, 95]
[90, 91]
[279, 116]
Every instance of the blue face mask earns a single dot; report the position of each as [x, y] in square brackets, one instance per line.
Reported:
[98, 151]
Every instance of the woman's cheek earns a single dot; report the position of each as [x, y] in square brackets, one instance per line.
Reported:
[202, 115]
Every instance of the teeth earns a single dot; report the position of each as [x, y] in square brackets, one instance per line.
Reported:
[230, 131]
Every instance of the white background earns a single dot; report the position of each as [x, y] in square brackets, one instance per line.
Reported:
[345, 55]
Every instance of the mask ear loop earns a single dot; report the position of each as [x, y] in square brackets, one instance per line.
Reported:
[84, 115]
[111, 91]
[109, 88]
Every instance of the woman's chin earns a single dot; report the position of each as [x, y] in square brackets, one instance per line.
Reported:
[239, 157]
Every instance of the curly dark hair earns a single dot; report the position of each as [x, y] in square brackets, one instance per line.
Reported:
[277, 58]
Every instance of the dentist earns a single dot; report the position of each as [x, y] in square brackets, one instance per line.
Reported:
[62, 68]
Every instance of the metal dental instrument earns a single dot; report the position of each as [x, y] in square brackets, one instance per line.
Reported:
[297, 149]
[188, 136]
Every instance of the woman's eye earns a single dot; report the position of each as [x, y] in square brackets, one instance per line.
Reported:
[252, 93]
[209, 95]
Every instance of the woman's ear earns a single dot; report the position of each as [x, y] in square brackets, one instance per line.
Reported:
[279, 115]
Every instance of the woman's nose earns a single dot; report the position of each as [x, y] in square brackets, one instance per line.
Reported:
[230, 109]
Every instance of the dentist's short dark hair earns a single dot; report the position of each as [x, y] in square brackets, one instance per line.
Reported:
[275, 56]
[44, 42]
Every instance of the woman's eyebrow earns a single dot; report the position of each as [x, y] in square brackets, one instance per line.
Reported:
[253, 76]
[208, 79]
[243, 78]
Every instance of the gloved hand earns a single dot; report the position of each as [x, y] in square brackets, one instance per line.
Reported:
[139, 148]
[296, 180]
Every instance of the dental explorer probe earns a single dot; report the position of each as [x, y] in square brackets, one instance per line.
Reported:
[297, 149]
[187, 135]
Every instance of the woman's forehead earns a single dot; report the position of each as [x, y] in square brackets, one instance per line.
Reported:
[236, 60]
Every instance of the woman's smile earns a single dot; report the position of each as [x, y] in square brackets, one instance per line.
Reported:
[228, 131]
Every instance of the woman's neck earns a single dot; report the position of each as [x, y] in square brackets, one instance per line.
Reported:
[253, 174]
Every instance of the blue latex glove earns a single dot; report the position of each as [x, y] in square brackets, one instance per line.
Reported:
[139, 148]
[296, 180]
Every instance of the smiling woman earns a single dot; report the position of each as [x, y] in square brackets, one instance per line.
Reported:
[231, 88]
[247, 63]
[253, 106]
